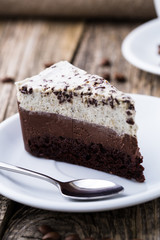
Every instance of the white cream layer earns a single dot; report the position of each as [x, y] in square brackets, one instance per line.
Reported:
[41, 97]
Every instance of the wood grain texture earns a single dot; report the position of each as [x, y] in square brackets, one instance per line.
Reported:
[3, 207]
[26, 46]
[139, 222]
[6, 211]
[104, 40]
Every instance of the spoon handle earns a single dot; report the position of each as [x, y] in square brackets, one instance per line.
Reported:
[24, 171]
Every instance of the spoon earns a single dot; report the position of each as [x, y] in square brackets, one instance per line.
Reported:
[80, 189]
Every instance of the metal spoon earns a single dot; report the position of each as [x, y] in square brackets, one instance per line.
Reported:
[81, 189]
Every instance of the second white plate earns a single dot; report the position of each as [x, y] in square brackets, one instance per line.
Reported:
[140, 47]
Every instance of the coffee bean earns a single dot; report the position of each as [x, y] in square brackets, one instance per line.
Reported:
[73, 236]
[106, 76]
[119, 77]
[7, 80]
[44, 229]
[48, 64]
[105, 62]
[51, 236]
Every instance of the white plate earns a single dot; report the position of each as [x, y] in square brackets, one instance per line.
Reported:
[35, 192]
[140, 47]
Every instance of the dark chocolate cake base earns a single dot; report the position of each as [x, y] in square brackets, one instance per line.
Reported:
[64, 139]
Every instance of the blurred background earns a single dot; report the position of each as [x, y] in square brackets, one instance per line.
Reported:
[113, 9]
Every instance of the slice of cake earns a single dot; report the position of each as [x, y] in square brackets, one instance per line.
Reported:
[72, 116]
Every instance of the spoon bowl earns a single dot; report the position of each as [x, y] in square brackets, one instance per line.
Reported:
[79, 189]
[90, 189]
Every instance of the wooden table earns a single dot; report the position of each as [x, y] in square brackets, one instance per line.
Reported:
[25, 46]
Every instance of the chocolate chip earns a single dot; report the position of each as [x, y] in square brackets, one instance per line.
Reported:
[73, 236]
[119, 77]
[130, 121]
[51, 236]
[23, 90]
[7, 80]
[93, 101]
[48, 64]
[44, 229]
[105, 62]
[131, 106]
[30, 91]
[65, 88]
[56, 93]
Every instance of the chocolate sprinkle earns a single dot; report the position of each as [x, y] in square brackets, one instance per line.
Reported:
[130, 121]
[102, 87]
[130, 105]
[117, 101]
[104, 102]
[78, 88]
[128, 113]
[110, 101]
[64, 96]
[92, 101]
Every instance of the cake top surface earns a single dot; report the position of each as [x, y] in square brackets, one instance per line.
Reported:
[64, 76]
[69, 91]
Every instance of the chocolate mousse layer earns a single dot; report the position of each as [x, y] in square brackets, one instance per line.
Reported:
[61, 138]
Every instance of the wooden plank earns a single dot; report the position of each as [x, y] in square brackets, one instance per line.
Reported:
[27, 45]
